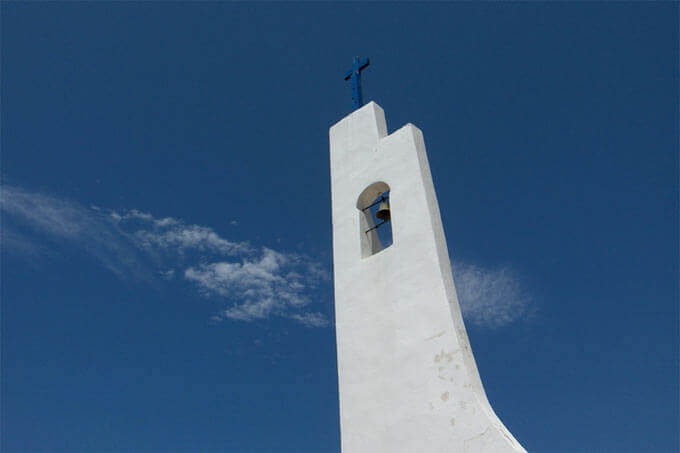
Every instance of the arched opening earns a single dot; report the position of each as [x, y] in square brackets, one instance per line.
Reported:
[375, 219]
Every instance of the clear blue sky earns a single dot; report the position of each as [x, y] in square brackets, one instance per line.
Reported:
[166, 240]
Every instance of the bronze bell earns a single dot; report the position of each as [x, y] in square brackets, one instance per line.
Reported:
[383, 212]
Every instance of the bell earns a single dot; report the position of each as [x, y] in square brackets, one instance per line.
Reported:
[383, 212]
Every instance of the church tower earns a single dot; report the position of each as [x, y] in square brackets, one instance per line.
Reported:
[407, 377]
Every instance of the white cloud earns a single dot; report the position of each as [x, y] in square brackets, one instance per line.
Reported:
[490, 297]
[168, 274]
[272, 283]
[248, 282]
[184, 237]
[173, 234]
[311, 319]
[62, 220]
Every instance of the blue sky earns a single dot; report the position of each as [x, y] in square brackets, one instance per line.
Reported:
[166, 236]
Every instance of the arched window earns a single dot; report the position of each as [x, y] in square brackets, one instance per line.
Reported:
[375, 219]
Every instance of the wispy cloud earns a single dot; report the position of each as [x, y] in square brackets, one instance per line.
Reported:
[247, 282]
[65, 221]
[490, 298]
[311, 319]
[173, 234]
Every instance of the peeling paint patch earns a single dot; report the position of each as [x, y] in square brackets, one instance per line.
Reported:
[436, 335]
[445, 355]
[510, 439]
[473, 440]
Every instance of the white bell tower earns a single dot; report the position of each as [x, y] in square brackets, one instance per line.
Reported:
[407, 377]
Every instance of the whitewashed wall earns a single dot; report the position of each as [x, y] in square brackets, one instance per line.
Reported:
[408, 380]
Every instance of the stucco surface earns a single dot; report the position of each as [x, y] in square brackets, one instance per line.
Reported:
[407, 377]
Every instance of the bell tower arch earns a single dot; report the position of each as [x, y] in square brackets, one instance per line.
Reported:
[407, 377]
[374, 217]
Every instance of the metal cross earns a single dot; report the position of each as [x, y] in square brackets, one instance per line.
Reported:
[354, 76]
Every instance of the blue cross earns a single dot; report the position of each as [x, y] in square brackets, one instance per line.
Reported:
[354, 76]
